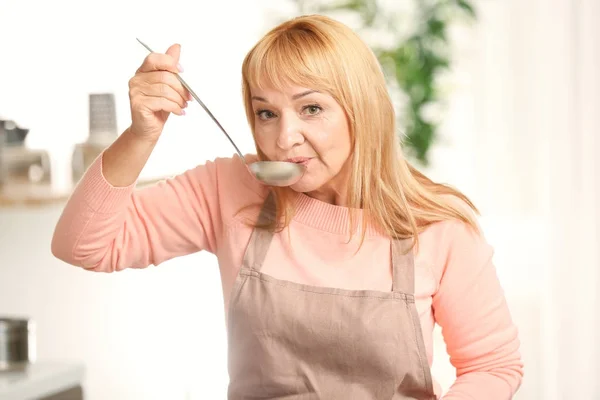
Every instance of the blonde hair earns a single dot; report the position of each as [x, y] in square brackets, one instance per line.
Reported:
[318, 52]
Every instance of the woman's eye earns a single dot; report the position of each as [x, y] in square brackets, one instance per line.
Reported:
[312, 109]
[265, 114]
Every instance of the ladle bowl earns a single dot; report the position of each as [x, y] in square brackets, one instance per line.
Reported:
[277, 173]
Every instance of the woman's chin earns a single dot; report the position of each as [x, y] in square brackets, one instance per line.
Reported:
[305, 184]
[300, 187]
[309, 183]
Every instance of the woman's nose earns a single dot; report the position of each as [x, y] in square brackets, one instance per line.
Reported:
[290, 133]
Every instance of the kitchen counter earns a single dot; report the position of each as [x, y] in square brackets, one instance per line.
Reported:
[43, 380]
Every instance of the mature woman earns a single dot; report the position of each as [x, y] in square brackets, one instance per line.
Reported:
[333, 285]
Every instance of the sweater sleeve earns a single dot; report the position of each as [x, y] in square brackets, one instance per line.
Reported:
[471, 309]
[105, 228]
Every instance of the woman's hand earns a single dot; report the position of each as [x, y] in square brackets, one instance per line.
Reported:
[155, 92]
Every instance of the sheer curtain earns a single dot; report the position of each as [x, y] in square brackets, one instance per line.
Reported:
[522, 139]
[571, 298]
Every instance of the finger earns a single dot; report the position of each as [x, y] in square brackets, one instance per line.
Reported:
[161, 77]
[159, 62]
[174, 51]
[156, 104]
[166, 91]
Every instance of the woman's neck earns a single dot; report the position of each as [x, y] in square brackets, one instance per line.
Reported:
[335, 191]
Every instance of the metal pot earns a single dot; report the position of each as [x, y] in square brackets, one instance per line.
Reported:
[16, 343]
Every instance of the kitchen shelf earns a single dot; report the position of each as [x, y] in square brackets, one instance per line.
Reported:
[20, 194]
[29, 194]
[44, 380]
[19, 190]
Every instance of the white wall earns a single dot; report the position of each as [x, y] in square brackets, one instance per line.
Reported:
[152, 334]
[55, 53]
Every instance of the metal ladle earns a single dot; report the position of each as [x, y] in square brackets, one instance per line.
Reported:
[274, 173]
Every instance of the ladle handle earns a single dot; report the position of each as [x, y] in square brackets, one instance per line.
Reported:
[185, 85]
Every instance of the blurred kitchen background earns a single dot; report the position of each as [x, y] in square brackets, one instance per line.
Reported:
[516, 115]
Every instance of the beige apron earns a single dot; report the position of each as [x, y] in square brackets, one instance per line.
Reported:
[294, 341]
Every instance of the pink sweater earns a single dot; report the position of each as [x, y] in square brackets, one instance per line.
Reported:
[105, 229]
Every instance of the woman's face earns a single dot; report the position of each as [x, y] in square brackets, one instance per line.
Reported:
[305, 126]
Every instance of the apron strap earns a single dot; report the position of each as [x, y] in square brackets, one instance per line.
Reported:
[403, 266]
[260, 240]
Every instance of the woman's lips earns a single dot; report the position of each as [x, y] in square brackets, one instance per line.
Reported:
[299, 160]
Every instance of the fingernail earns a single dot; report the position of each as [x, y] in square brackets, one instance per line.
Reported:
[179, 67]
[182, 112]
